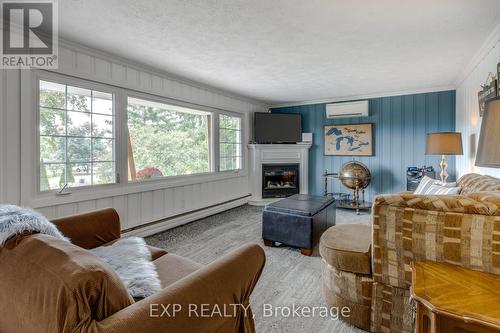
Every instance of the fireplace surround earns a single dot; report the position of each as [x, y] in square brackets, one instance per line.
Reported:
[276, 154]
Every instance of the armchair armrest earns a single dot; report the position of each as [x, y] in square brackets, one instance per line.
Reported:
[90, 230]
[226, 283]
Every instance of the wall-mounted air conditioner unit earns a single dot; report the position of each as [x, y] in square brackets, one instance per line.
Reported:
[347, 109]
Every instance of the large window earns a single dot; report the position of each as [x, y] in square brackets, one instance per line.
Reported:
[167, 140]
[77, 136]
[91, 133]
[229, 142]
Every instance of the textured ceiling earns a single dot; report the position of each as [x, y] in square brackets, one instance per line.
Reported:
[280, 51]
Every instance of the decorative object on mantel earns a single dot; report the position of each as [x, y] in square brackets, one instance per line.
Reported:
[355, 176]
[349, 140]
[490, 90]
[488, 150]
[444, 143]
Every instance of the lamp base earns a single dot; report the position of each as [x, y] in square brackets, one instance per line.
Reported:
[444, 166]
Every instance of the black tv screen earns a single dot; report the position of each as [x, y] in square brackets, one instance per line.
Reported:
[277, 127]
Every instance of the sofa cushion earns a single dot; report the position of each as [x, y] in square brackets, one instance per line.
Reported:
[156, 252]
[172, 268]
[472, 182]
[57, 286]
[347, 247]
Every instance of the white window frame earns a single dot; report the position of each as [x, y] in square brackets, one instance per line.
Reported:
[29, 146]
[242, 140]
[162, 100]
[93, 87]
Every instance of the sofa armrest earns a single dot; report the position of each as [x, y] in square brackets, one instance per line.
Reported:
[92, 229]
[454, 229]
[438, 203]
[226, 283]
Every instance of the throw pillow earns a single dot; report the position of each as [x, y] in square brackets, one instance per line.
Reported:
[424, 185]
[442, 190]
[130, 258]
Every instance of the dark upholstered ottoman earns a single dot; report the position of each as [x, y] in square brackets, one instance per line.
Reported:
[298, 221]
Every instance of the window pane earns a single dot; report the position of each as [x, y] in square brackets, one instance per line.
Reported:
[102, 150]
[79, 174]
[167, 140]
[102, 103]
[52, 122]
[78, 124]
[102, 126]
[78, 99]
[51, 176]
[79, 149]
[229, 136]
[52, 149]
[76, 137]
[104, 173]
[52, 95]
[230, 142]
[228, 150]
[229, 122]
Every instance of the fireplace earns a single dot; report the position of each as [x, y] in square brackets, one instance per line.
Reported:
[280, 180]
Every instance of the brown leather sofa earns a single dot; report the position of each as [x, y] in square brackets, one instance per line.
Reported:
[49, 285]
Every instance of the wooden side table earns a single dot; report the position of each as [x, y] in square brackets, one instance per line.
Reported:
[455, 299]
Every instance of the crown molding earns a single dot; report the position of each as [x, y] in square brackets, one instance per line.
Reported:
[365, 96]
[491, 42]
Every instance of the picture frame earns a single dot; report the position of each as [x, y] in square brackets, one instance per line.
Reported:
[349, 140]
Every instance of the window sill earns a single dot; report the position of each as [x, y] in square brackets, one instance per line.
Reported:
[104, 191]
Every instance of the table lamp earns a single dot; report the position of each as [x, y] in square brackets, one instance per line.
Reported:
[444, 143]
[488, 150]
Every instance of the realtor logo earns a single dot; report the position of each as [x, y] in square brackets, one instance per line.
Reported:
[29, 34]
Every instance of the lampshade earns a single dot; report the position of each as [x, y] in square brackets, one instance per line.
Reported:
[488, 150]
[444, 143]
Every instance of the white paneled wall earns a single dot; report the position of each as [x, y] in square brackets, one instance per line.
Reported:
[140, 208]
[467, 117]
[136, 208]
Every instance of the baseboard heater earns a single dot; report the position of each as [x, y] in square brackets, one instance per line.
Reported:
[173, 217]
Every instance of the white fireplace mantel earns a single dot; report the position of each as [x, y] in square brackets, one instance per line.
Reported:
[277, 154]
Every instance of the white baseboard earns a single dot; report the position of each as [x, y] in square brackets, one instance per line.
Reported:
[262, 202]
[169, 223]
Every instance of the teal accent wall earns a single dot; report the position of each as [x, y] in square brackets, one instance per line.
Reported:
[400, 126]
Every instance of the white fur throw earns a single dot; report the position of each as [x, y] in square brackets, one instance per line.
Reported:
[15, 220]
[130, 258]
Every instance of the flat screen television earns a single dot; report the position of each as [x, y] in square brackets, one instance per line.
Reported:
[277, 127]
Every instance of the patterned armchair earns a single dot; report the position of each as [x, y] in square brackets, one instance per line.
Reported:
[461, 229]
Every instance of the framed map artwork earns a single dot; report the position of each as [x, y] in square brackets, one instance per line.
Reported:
[349, 140]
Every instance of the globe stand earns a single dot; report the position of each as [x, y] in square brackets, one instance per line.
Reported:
[355, 182]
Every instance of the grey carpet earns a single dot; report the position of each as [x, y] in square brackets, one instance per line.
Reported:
[288, 278]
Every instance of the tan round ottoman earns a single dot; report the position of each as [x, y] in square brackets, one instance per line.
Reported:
[346, 271]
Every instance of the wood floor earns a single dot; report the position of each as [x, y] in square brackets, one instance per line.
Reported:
[289, 278]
